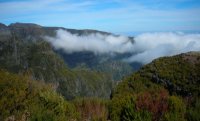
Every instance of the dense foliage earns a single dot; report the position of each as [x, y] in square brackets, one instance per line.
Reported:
[22, 98]
[165, 90]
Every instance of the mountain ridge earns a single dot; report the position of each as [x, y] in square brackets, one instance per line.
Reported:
[96, 87]
[23, 49]
[142, 94]
[87, 31]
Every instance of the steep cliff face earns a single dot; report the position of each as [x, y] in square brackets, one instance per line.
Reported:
[23, 50]
[20, 35]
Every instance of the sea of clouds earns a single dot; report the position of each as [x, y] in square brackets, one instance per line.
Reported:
[144, 49]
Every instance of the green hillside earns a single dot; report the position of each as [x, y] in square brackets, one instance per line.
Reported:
[166, 90]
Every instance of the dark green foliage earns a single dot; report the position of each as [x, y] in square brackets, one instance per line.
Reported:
[130, 113]
[22, 98]
[194, 111]
[116, 107]
[178, 74]
[176, 109]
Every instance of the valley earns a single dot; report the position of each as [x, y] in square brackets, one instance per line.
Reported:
[43, 82]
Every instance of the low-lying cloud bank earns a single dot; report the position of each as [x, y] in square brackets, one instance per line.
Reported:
[153, 45]
[147, 46]
[95, 42]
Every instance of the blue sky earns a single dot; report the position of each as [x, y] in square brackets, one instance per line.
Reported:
[117, 16]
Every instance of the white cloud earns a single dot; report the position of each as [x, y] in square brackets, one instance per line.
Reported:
[150, 46]
[97, 43]
[144, 49]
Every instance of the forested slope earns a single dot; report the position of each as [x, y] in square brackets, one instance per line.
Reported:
[166, 89]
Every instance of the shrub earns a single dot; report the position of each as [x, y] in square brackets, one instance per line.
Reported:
[194, 111]
[129, 112]
[23, 98]
[153, 101]
[177, 110]
[93, 109]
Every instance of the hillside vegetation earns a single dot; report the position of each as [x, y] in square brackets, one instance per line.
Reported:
[140, 97]
[38, 83]
[165, 90]
[23, 49]
[22, 98]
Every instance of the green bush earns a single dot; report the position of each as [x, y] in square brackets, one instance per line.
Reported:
[194, 111]
[177, 110]
[23, 98]
[116, 106]
[129, 113]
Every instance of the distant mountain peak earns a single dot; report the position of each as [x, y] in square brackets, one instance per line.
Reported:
[3, 26]
[25, 25]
